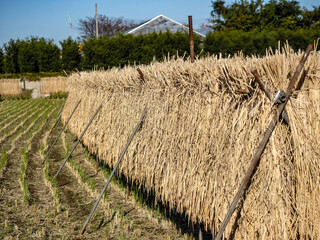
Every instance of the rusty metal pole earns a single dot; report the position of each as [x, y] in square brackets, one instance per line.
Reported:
[191, 39]
[262, 145]
[113, 171]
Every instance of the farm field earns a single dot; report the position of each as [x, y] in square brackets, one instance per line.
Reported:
[35, 205]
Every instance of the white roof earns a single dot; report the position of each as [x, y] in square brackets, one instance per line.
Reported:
[140, 27]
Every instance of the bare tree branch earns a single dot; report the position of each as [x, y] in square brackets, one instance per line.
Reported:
[107, 26]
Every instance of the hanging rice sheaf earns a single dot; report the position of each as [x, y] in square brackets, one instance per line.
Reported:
[204, 123]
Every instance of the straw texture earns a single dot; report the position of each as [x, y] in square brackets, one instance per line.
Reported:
[10, 87]
[199, 137]
[52, 85]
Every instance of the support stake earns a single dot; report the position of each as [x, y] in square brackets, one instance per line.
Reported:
[61, 131]
[76, 144]
[56, 123]
[113, 171]
[65, 73]
[262, 145]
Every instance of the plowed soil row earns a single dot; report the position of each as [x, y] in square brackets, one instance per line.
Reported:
[78, 184]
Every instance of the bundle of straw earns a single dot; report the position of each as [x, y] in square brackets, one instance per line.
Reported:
[10, 87]
[52, 85]
[199, 137]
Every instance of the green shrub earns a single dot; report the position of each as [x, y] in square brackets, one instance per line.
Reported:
[70, 56]
[256, 42]
[124, 50]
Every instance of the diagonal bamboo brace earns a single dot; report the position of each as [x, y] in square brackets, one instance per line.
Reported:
[262, 145]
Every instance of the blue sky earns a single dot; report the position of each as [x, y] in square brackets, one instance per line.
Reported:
[50, 18]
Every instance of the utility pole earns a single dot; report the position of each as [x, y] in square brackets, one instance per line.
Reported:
[70, 26]
[97, 31]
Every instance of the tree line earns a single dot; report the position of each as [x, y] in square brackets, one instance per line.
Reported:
[247, 26]
[42, 55]
[254, 14]
[34, 55]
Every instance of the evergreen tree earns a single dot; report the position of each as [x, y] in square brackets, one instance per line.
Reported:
[1, 61]
[11, 49]
[70, 53]
[28, 56]
[250, 14]
[49, 55]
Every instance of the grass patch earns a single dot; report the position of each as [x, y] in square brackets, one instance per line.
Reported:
[31, 76]
[26, 94]
[52, 183]
[59, 95]
[83, 176]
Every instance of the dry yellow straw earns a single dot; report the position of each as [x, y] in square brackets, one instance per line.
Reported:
[200, 135]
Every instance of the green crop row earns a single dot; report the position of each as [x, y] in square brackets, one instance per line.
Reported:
[23, 171]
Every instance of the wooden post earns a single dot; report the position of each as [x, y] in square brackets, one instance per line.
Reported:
[141, 75]
[191, 39]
